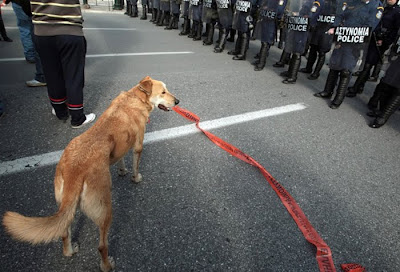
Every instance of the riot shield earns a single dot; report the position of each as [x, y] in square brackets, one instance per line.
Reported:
[300, 14]
[225, 14]
[209, 11]
[195, 10]
[242, 19]
[325, 19]
[268, 13]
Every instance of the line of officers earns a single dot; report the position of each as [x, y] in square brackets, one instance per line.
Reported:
[346, 28]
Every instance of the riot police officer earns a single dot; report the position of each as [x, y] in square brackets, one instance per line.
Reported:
[210, 17]
[195, 14]
[382, 37]
[145, 5]
[225, 15]
[321, 41]
[186, 20]
[165, 13]
[354, 21]
[243, 23]
[386, 98]
[175, 11]
[268, 14]
[302, 14]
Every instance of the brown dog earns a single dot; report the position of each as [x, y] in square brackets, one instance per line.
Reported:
[83, 173]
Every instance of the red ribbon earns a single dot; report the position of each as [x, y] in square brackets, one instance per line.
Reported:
[324, 254]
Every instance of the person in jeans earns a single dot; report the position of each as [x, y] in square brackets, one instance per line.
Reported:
[3, 31]
[61, 46]
[22, 10]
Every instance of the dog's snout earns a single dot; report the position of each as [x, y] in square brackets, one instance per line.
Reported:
[176, 101]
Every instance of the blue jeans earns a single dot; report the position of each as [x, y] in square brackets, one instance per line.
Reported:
[25, 27]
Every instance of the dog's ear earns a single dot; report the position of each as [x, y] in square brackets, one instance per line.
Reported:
[147, 84]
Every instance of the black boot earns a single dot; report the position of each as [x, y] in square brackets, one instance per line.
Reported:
[199, 31]
[329, 84]
[283, 60]
[358, 86]
[232, 33]
[375, 73]
[222, 40]
[134, 11]
[210, 35]
[293, 69]
[167, 18]
[144, 13]
[193, 30]
[186, 27]
[318, 67]
[171, 23]
[391, 106]
[263, 56]
[243, 47]
[344, 80]
[153, 15]
[374, 101]
[160, 17]
[236, 51]
[128, 9]
[312, 57]
[176, 21]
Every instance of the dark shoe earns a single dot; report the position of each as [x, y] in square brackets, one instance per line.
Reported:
[262, 56]
[329, 85]
[305, 71]
[341, 89]
[283, 60]
[293, 69]
[7, 39]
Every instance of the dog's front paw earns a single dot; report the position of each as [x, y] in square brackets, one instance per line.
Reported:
[122, 172]
[137, 179]
[110, 265]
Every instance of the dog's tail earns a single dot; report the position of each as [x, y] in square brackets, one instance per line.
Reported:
[42, 229]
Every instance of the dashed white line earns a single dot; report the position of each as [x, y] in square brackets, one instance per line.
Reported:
[19, 165]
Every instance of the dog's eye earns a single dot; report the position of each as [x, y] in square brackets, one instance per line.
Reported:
[163, 92]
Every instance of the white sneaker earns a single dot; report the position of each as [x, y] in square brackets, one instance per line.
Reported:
[35, 83]
[89, 118]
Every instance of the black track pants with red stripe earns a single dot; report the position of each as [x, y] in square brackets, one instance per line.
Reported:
[63, 60]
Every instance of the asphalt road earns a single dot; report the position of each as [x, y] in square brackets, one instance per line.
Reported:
[198, 208]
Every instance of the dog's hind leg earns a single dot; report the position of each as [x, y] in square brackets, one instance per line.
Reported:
[122, 171]
[137, 177]
[96, 204]
[69, 248]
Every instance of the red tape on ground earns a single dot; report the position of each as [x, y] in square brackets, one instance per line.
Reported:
[324, 254]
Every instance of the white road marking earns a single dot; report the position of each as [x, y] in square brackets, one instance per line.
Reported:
[116, 55]
[27, 163]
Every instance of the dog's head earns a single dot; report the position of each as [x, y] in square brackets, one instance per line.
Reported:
[158, 94]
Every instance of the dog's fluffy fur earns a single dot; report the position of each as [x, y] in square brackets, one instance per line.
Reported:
[83, 173]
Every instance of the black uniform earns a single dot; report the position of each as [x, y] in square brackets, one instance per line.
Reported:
[382, 37]
[302, 15]
[386, 98]
[354, 21]
[320, 41]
